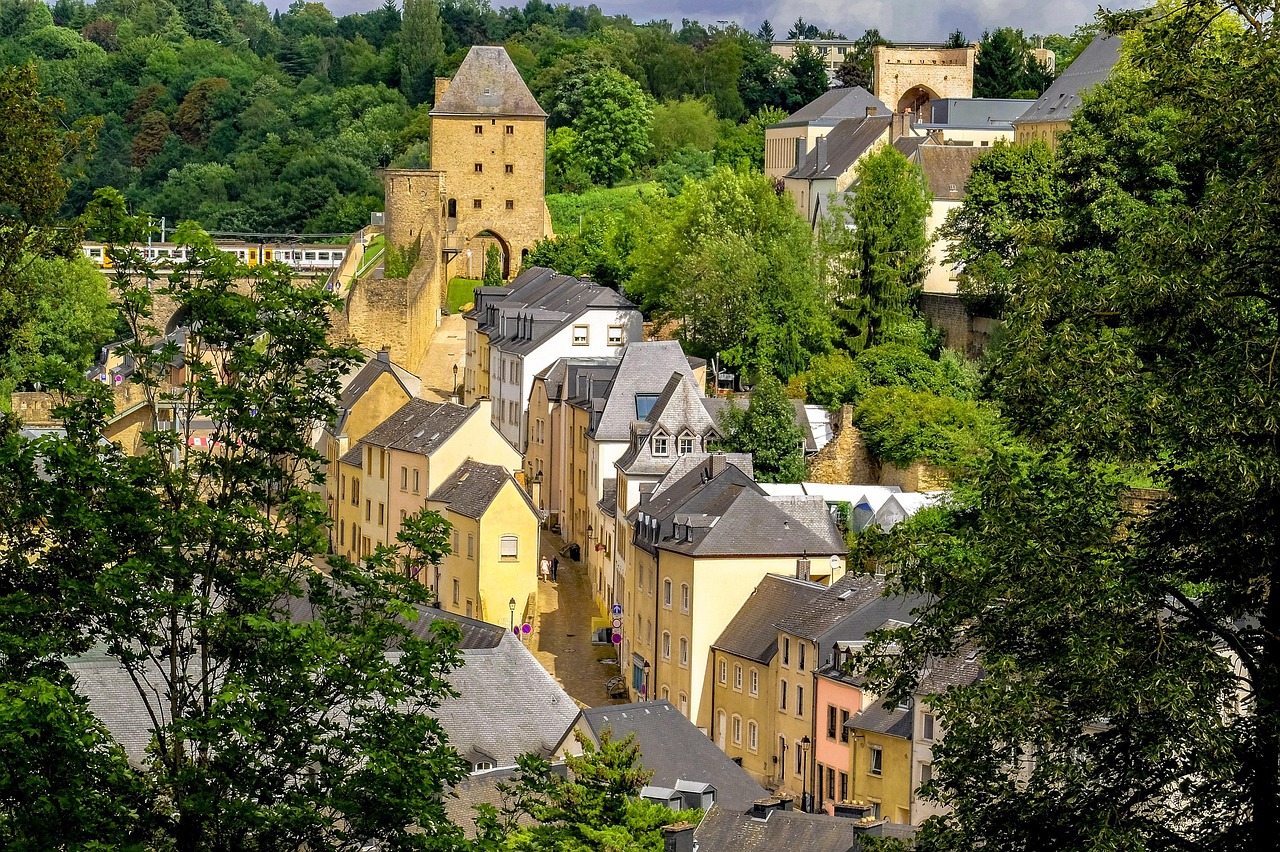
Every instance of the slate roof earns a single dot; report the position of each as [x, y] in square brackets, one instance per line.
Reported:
[753, 633]
[961, 670]
[675, 750]
[977, 113]
[429, 427]
[832, 605]
[356, 385]
[559, 374]
[725, 830]
[908, 145]
[834, 105]
[846, 142]
[678, 409]
[473, 486]
[537, 304]
[894, 722]
[115, 701]
[947, 168]
[718, 510]
[487, 83]
[646, 367]
[507, 705]
[481, 789]
[1065, 94]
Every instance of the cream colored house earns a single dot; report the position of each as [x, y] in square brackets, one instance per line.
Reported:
[700, 542]
[788, 142]
[1050, 116]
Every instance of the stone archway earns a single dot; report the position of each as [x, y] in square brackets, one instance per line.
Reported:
[483, 240]
[917, 101]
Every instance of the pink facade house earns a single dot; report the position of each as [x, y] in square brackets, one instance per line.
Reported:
[838, 697]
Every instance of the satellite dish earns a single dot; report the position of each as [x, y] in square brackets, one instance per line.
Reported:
[835, 562]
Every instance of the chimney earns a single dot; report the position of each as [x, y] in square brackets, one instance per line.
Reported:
[802, 567]
[442, 86]
[718, 462]
[384, 354]
[871, 111]
[822, 152]
[761, 808]
[802, 149]
[677, 837]
[850, 811]
[902, 124]
[787, 802]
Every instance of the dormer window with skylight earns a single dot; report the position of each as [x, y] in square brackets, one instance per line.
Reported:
[660, 445]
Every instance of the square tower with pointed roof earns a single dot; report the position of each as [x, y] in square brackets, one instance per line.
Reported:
[489, 138]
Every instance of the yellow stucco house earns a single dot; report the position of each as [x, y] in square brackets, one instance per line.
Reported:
[881, 772]
[492, 573]
[1050, 116]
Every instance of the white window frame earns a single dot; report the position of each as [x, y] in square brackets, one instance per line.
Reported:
[581, 335]
[617, 335]
[509, 547]
[875, 761]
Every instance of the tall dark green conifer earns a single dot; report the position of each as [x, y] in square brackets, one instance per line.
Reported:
[421, 47]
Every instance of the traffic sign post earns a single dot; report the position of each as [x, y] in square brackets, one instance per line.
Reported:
[617, 610]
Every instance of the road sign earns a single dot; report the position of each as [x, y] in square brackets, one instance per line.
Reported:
[617, 624]
[617, 610]
[617, 638]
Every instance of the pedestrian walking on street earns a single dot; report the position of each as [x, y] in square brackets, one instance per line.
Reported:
[544, 569]
[555, 568]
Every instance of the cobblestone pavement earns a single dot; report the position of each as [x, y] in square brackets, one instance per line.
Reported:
[448, 347]
[563, 639]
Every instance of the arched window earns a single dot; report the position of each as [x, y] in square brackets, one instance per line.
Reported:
[666, 592]
[737, 729]
[508, 547]
[753, 735]
[684, 652]
[453, 208]
[685, 597]
[684, 704]
[666, 645]
[666, 694]
[724, 668]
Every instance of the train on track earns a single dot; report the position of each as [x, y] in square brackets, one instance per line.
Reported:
[304, 257]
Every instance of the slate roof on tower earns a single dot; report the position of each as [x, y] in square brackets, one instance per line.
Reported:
[487, 83]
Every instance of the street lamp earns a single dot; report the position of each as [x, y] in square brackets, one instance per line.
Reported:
[644, 690]
[512, 605]
[806, 800]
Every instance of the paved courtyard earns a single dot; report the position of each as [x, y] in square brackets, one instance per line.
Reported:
[563, 639]
[447, 348]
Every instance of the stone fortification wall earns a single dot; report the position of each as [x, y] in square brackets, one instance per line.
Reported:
[944, 72]
[961, 330]
[845, 460]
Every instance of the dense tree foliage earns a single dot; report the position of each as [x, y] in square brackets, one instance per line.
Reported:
[249, 121]
[1131, 696]
[872, 247]
[859, 62]
[1011, 200]
[1006, 67]
[766, 428]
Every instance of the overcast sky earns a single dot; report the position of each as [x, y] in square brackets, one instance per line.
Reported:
[897, 20]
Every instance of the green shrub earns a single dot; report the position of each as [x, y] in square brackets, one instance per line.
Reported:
[903, 426]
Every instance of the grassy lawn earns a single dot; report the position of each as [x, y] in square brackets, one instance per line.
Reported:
[461, 292]
[372, 255]
[567, 207]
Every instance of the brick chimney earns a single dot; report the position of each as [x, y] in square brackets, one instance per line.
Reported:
[902, 123]
[718, 463]
[442, 86]
[822, 152]
[871, 111]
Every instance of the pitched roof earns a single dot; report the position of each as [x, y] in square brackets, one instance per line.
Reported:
[423, 429]
[832, 605]
[481, 789]
[834, 105]
[646, 368]
[537, 304]
[846, 142]
[947, 168]
[940, 675]
[1065, 94]
[678, 410]
[753, 633]
[673, 749]
[893, 722]
[473, 486]
[979, 113]
[363, 379]
[725, 830]
[487, 83]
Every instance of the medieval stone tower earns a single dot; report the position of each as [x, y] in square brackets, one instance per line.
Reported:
[489, 138]
[908, 78]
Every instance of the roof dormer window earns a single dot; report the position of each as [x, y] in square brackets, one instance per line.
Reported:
[660, 445]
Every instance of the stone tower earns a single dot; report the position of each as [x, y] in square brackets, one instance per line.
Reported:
[489, 139]
[908, 78]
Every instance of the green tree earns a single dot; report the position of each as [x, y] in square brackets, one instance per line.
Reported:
[1132, 688]
[32, 187]
[808, 76]
[859, 62]
[998, 70]
[421, 49]
[765, 33]
[732, 263]
[192, 570]
[595, 806]
[767, 429]
[872, 248]
[1012, 199]
[676, 124]
[612, 125]
[493, 266]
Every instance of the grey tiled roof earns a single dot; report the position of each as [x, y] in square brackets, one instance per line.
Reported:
[430, 426]
[507, 705]
[481, 789]
[979, 113]
[753, 633]
[893, 722]
[356, 385]
[678, 409]
[846, 142]
[487, 83]
[960, 670]
[1065, 95]
[646, 367]
[832, 106]
[537, 304]
[947, 168]
[843, 598]
[675, 750]
[473, 486]
[726, 830]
